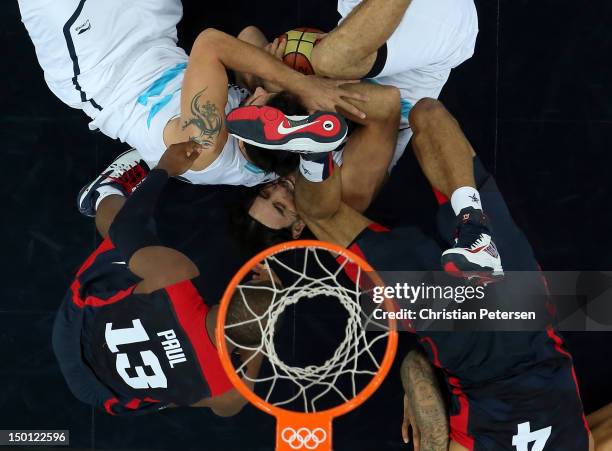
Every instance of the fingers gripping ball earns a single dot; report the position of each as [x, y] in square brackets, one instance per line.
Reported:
[300, 43]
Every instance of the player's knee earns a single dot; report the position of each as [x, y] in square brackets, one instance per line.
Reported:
[360, 196]
[249, 33]
[426, 114]
[323, 61]
[206, 37]
[392, 101]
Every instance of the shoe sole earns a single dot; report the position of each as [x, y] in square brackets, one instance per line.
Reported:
[298, 145]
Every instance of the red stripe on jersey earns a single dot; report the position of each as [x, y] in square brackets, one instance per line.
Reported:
[94, 301]
[434, 350]
[351, 268]
[108, 405]
[375, 227]
[441, 198]
[191, 312]
[105, 246]
[459, 423]
[558, 343]
[133, 404]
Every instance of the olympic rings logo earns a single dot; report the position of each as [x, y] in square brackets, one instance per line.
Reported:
[304, 437]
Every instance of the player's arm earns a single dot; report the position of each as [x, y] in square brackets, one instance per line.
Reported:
[214, 51]
[424, 408]
[253, 36]
[133, 230]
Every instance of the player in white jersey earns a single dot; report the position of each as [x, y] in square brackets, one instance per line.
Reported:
[119, 62]
[409, 44]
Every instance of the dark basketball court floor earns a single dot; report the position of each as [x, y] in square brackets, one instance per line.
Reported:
[535, 101]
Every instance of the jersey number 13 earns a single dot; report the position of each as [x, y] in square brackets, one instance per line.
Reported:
[154, 377]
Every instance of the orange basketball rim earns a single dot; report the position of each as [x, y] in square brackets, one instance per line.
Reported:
[300, 430]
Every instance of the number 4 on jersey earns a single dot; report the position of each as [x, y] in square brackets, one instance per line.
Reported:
[525, 436]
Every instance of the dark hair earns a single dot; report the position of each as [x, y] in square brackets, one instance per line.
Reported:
[251, 235]
[282, 162]
[242, 309]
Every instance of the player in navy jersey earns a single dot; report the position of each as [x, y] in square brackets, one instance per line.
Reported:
[133, 334]
[509, 390]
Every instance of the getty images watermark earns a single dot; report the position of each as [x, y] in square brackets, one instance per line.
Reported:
[521, 301]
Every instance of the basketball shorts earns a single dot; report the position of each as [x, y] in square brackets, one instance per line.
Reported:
[538, 409]
[433, 38]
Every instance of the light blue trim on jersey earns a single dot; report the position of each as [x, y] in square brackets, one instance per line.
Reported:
[157, 107]
[157, 88]
[252, 168]
[405, 108]
[405, 104]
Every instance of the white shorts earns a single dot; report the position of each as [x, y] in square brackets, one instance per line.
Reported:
[116, 60]
[433, 37]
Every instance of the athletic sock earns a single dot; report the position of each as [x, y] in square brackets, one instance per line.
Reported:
[465, 197]
[316, 167]
[104, 191]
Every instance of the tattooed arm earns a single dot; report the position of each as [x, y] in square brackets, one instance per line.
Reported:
[424, 408]
[203, 100]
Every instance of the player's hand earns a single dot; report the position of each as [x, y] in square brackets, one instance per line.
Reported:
[179, 158]
[407, 423]
[277, 48]
[325, 94]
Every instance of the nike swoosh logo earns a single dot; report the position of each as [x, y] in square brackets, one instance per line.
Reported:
[286, 131]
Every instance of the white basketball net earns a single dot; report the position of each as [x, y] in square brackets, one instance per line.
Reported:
[353, 358]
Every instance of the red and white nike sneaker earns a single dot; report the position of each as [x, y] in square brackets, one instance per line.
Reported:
[124, 174]
[270, 128]
[474, 255]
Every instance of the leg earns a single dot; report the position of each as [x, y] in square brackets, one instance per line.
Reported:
[106, 212]
[350, 50]
[321, 208]
[331, 208]
[446, 158]
[444, 153]
[369, 150]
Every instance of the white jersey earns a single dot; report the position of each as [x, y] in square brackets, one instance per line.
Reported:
[118, 61]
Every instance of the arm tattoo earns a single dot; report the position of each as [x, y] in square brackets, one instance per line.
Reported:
[207, 120]
[426, 402]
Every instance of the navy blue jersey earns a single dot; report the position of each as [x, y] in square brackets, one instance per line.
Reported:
[510, 391]
[132, 353]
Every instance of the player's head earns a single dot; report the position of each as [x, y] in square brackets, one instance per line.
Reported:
[280, 162]
[238, 312]
[268, 216]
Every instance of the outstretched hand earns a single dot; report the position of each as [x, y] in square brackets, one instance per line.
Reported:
[326, 94]
[179, 158]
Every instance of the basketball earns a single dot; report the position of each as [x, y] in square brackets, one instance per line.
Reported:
[300, 43]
